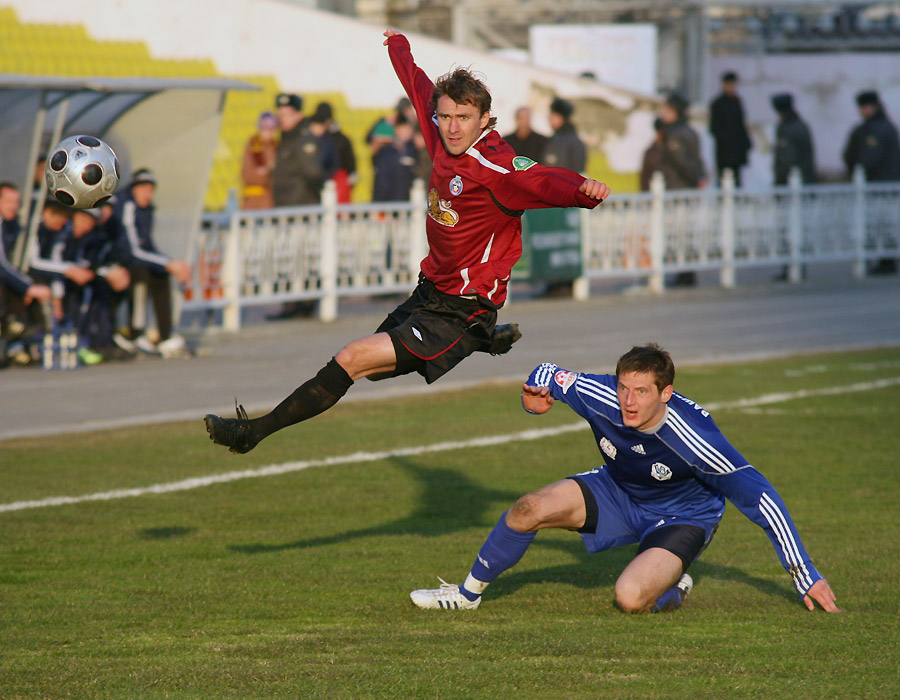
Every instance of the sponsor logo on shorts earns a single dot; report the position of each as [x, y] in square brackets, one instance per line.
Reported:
[608, 448]
[522, 163]
[456, 186]
[416, 333]
[660, 472]
[565, 379]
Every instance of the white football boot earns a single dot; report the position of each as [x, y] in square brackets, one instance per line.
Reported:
[686, 584]
[447, 597]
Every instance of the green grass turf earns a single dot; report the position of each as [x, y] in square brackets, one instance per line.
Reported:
[296, 586]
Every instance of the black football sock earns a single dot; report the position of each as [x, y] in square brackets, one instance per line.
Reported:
[310, 399]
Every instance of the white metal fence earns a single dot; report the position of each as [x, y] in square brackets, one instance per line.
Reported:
[330, 251]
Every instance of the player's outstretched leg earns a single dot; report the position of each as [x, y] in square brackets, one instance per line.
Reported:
[503, 338]
[242, 434]
[502, 550]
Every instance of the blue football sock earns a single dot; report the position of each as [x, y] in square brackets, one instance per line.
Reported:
[502, 550]
[669, 600]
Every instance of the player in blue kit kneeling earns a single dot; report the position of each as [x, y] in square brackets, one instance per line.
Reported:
[668, 469]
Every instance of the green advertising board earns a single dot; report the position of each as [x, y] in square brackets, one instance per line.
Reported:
[551, 245]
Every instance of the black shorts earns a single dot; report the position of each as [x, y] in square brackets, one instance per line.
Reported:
[684, 541]
[432, 331]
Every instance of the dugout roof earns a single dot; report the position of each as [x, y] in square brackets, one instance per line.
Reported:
[168, 125]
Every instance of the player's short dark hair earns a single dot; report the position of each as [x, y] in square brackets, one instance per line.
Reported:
[648, 358]
[7, 185]
[463, 88]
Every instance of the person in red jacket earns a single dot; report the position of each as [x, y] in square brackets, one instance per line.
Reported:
[477, 192]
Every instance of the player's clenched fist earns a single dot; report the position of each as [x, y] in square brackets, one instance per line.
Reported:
[595, 190]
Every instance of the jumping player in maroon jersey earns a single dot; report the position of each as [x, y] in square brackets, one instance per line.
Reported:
[477, 193]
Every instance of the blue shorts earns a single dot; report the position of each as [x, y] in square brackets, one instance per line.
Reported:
[621, 521]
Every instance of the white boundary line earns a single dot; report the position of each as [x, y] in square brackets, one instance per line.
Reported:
[359, 457]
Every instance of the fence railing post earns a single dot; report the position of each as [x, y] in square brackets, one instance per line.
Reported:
[858, 227]
[581, 287]
[329, 255]
[795, 226]
[231, 274]
[727, 229]
[657, 280]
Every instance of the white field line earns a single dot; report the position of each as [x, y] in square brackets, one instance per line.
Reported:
[359, 457]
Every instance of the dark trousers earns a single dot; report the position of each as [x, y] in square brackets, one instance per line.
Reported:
[157, 286]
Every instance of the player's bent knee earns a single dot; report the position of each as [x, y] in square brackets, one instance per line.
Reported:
[631, 599]
[526, 514]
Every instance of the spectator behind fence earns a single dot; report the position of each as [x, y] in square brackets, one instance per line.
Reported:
[298, 176]
[564, 149]
[652, 156]
[20, 296]
[680, 160]
[793, 142]
[345, 166]
[729, 130]
[394, 161]
[874, 143]
[151, 271]
[258, 164]
[525, 141]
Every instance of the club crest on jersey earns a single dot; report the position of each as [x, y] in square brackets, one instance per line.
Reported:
[522, 163]
[660, 472]
[456, 186]
[440, 210]
[608, 448]
[565, 379]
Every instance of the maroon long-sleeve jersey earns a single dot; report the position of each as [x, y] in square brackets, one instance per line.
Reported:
[476, 199]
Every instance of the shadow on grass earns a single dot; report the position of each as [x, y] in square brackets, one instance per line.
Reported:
[165, 533]
[449, 502]
[603, 568]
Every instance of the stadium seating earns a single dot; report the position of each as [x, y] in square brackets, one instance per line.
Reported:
[69, 50]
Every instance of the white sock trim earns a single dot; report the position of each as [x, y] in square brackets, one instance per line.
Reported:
[473, 585]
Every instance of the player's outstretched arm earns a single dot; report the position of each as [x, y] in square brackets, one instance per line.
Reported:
[536, 399]
[594, 190]
[821, 592]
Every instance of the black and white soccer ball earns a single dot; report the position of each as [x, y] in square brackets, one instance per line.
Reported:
[82, 172]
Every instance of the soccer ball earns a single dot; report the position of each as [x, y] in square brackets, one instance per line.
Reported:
[82, 172]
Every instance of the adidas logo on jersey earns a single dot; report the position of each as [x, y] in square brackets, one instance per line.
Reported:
[639, 449]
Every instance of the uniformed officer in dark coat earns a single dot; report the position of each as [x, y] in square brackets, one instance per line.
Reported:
[299, 174]
[680, 160]
[793, 142]
[873, 144]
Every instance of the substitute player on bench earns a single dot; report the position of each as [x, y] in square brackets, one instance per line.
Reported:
[477, 193]
[668, 471]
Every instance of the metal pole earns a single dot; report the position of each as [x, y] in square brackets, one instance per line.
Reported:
[23, 256]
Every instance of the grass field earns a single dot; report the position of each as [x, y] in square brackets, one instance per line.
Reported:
[295, 585]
